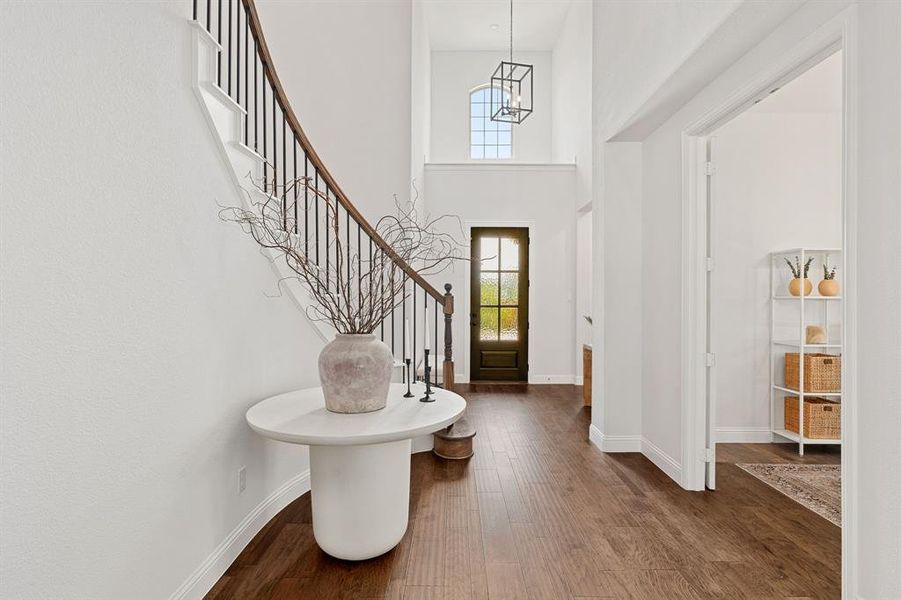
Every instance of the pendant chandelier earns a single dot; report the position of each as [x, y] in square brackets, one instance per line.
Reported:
[511, 87]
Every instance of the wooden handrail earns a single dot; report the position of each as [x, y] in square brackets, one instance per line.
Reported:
[282, 98]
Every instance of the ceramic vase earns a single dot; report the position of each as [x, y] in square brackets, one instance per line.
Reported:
[829, 287]
[355, 371]
[794, 287]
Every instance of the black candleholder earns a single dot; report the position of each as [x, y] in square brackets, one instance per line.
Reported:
[428, 382]
[409, 394]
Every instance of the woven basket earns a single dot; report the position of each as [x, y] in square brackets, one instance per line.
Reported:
[822, 372]
[822, 418]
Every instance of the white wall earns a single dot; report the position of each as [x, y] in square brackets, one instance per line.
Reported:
[571, 143]
[136, 325]
[455, 75]
[583, 283]
[421, 99]
[873, 548]
[571, 97]
[662, 229]
[778, 184]
[635, 47]
[876, 548]
[346, 67]
[540, 197]
[619, 414]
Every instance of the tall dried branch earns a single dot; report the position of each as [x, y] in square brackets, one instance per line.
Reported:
[355, 285]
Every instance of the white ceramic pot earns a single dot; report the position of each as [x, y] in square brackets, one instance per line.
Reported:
[355, 371]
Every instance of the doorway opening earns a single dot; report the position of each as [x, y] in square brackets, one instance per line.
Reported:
[499, 304]
[773, 179]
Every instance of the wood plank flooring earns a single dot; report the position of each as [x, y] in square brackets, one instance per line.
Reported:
[539, 513]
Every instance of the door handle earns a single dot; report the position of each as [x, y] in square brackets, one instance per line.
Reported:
[473, 321]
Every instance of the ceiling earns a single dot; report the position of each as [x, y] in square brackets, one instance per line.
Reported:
[817, 90]
[462, 25]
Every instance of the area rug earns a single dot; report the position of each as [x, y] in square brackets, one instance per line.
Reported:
[817, 487]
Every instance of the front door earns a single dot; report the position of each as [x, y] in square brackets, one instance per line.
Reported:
[499, 304]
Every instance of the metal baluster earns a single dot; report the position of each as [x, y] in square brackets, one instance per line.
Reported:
[338, 281]
[306, 206]
[246, 77]
[403, 318]
[382, 294]
[219, 39]
[294, 149]
[256, 78]
[391, 306]
[194, 11]
[238, 54]
[274, 144]
[284, 175]
[359, 268]
[229, 65]
[435, 344]
[348, 255]
[413, 353]
[209, 12]
[265, 151]
[316, 200]
[328, 226]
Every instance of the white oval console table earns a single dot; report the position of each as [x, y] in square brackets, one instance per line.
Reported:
[359, 464]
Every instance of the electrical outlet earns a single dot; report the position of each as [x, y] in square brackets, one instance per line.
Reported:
[242, 479]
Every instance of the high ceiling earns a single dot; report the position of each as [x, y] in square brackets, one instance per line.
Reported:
[485, 24]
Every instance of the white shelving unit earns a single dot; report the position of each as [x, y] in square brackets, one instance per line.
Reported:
[807, 310]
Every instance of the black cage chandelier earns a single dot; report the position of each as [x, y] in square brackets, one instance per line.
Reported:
[511, 87]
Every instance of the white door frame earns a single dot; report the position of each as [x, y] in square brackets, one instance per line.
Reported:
[839, 33]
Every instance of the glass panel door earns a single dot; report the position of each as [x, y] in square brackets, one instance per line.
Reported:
[499, 303]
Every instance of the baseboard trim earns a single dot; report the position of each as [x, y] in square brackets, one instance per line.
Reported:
[208, 573]
[744, 435]
[579, 380]
[662, 460]
[613, 443]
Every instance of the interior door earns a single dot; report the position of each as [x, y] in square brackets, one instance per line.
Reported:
[499, 304]
[710, 454]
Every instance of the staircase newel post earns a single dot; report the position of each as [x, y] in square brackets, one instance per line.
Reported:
[448, 338]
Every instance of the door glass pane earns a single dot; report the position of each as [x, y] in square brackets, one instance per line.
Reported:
[489, 253]
[488, 324]
[509, 288]
[488, 288]
[509, 254]
[509, 323]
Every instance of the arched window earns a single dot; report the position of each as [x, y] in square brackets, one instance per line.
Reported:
[487, 138]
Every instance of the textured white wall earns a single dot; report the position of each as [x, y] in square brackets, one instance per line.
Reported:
[136, 325]
[778, 185]
[421, 100]
[507, 196]
[571, 143]
[662, 229]
[875, 546]
[876, 506]
[635, 47]
[346, 67]
[624, 295]
[454, 75]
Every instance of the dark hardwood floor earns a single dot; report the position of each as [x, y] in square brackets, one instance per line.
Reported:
[538, 512]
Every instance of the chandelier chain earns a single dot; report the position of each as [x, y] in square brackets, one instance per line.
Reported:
[511, 30]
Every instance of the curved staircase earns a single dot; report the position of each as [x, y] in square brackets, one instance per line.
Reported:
[261, 140]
